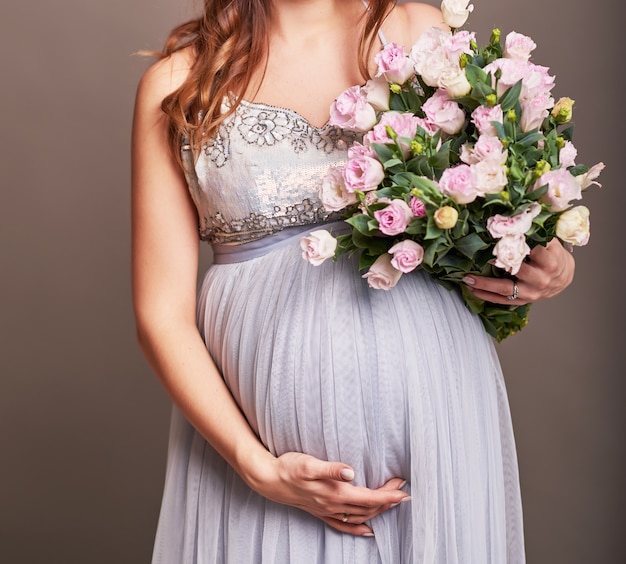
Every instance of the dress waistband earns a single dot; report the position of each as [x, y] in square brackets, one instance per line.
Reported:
[229, 254]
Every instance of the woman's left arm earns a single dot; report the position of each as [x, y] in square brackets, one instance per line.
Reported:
[547, 272]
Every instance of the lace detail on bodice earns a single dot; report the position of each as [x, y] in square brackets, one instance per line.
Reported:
[262, 172]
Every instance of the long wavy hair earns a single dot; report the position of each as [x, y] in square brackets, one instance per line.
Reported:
[229, 43]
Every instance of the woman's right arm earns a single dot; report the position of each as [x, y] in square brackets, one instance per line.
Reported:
[164, 268]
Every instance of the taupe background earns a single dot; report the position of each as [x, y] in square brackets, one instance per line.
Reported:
[83, 422]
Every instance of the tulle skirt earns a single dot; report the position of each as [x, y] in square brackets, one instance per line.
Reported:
[400, 383]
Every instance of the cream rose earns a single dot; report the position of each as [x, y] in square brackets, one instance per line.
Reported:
[446, 217]
[333, 193]
[573, 226]
[456, 12]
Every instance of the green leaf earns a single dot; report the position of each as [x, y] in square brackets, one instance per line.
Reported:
[441, 159]
[366, 260]
[579, 169]
[396, 103]
[391, 163]
[475, 75]
[383, 152]
[432, 231]
[470, 245]
[511, 97]
[361, 222]
[529, 139]
[536, 194]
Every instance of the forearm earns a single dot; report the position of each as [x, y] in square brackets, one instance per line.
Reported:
[179, 357]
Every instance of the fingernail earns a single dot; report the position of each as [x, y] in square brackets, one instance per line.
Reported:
[405, 499]
[347, 474]
[367, 534]
[402, 485]
[394, 505]
[469, 280]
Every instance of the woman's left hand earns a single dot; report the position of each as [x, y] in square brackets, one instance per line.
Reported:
[547, 272]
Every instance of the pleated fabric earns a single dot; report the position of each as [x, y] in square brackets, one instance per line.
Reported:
[401, 383]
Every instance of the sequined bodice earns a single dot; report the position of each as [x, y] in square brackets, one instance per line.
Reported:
[262, 172]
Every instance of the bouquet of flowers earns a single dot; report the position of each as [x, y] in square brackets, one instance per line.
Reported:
[466, 164]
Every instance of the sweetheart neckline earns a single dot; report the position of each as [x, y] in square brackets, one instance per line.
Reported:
[248, 103]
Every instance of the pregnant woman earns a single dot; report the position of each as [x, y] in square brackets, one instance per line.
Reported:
[316, 420]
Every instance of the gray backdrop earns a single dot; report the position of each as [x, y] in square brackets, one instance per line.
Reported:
[84, 423]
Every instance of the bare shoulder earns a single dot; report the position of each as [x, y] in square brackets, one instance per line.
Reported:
[408, 21]
[164, 77]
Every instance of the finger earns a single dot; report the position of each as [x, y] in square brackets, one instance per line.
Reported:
[500, 286]
[393, 484]
[316, 469]
[363, 499]
[358, 529]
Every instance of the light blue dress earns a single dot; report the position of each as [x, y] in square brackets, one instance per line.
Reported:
[400, 383]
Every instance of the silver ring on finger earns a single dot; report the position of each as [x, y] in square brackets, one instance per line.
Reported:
[345, 517]
[515, 293]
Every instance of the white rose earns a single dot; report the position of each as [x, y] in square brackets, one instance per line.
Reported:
[573, 226]
[456, 12]
[489, 177]
[455, 82]
[318, 246]
[429, 55]
[333, 193]
[382, 275]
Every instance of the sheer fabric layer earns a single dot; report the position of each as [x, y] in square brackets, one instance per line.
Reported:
[402, 383]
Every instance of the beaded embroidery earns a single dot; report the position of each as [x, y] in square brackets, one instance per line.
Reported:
[242, 195]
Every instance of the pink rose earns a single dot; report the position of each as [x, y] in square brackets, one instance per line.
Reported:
[377, 93]
[489, 148]
[536, 82]
[567, 155]
[444, 113]
[363, 173]
[417, 207]
[352, 111]
[403, 124]
[394, 64]
[407, 255]
[333, 193]
[458, 44]
[318, 246]
[562, 189]
[510, 252]
[534, 111]
[395, 218]
[359, 150]
[500, 225]
[512, 72]
[457, 183]
[518, 46]
[489, 177]
[483, 116]
[382, 275]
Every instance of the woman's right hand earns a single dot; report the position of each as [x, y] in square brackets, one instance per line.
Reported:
[323, 489]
